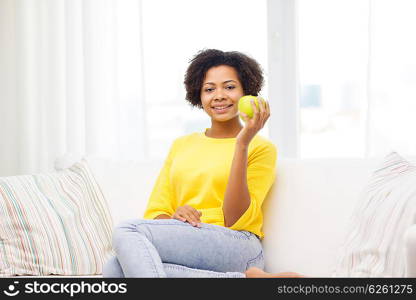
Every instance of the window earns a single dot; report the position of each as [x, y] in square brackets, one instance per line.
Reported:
[333, 57]
[357, 74]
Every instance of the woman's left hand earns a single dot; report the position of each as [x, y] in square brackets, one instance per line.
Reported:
[254, 124]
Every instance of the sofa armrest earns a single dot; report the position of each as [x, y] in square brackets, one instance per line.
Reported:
[410, 240]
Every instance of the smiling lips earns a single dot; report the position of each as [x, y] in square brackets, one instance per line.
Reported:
[222, 109]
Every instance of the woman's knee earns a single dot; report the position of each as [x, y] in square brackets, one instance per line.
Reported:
[126, 228]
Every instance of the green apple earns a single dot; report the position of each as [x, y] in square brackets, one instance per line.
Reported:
[244, 105]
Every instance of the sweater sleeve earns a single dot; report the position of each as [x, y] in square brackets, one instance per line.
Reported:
[261, 173]
[161, 199]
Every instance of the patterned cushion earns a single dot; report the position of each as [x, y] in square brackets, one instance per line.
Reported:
[375, 246]
[54, 223]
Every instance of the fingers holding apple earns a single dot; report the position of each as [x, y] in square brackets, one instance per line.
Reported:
[264, 112]
[254, 111]
[252, 107]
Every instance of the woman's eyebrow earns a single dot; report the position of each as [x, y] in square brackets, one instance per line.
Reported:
[223, 82]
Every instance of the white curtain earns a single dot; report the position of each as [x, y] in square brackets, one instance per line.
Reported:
[70, 82]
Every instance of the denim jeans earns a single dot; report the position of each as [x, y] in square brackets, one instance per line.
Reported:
[172, 248]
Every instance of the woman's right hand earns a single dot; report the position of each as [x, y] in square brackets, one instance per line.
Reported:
[188, 214]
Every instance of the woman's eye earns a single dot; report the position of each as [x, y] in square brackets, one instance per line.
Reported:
[230, 87]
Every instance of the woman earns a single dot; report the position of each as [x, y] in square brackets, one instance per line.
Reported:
[204, 218]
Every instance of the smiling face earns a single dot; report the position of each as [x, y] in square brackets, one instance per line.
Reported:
[220, 92]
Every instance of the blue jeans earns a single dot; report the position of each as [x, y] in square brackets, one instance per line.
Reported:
[172, 248]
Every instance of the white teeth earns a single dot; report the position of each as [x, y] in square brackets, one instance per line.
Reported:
[222, 107]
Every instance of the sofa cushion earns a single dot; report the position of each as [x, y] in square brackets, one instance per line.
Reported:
[54, 223]
[374, 245]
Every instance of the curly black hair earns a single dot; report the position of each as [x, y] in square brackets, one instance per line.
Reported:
[249, 72]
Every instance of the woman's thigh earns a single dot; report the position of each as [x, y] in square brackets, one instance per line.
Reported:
[210, 247]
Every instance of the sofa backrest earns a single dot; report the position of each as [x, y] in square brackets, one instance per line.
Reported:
[307, 210]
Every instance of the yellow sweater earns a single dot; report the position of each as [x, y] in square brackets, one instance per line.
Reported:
[196, 173]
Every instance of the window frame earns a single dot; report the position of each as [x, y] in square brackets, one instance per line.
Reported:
[283, 76]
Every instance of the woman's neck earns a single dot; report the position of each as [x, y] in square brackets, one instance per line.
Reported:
[224, 130]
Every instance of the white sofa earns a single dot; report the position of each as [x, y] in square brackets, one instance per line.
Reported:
[305, 213]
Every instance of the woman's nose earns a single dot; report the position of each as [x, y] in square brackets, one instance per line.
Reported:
[219, 94]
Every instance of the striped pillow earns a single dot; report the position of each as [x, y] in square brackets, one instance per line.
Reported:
[374, 246]
[54, 223]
